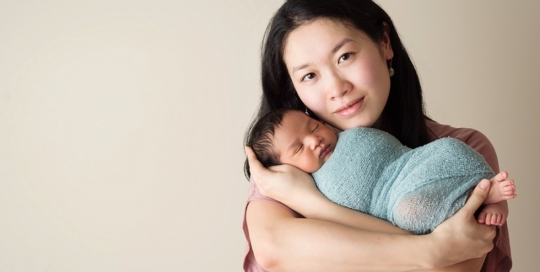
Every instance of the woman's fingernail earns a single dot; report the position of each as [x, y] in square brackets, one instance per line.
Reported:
[484, 184]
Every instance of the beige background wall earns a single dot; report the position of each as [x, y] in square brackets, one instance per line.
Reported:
[121, 122]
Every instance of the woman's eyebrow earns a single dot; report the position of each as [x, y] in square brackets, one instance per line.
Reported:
[334, 50]
[341, 44]
[299, 67]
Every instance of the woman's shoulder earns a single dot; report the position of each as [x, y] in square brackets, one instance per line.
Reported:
[473, 138]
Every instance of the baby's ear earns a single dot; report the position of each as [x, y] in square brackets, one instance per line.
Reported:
[334, 129]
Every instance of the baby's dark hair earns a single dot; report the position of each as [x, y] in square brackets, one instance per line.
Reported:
[259, 137]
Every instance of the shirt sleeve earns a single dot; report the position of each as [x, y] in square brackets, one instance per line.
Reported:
[250, 263]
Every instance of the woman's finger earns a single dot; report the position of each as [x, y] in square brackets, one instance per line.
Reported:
[254, 163]
[477, 197]
[257, 170]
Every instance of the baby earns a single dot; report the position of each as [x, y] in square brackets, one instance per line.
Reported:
[371, 171]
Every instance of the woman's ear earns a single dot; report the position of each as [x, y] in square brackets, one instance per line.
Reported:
[386, 44]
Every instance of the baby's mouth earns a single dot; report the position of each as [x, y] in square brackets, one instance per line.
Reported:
[325, 151]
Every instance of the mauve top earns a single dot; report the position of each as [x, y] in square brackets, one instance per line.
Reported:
[498, 260]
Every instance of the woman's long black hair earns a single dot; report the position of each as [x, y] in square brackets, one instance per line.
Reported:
[403, 116]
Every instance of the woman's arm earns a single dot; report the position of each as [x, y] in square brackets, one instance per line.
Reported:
[281, 241]
[329, 211]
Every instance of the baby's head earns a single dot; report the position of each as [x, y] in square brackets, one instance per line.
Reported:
[289, 136]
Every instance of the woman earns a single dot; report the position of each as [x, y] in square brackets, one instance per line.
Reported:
[343, 62]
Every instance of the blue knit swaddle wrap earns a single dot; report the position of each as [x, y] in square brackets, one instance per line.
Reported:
[415, 189]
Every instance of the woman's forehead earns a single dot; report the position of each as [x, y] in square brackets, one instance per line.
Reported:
[318, 38]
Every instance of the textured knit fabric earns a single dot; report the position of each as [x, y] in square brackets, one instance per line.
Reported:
[498, 260]
[416, 189]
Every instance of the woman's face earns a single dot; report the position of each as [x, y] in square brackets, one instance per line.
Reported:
[339, 72]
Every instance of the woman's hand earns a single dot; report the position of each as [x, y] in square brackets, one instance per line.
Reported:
[285, 183]
[460, 237]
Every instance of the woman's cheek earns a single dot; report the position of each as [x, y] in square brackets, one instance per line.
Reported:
[311, 98]
[365, 75]
[318, 106]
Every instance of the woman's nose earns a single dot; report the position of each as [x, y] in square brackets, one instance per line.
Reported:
[338, 85]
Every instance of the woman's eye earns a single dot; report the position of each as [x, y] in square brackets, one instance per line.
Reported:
[308, 77]
[315, 129]
[344, 57]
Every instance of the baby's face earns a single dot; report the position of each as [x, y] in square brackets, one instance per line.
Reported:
[303, 142]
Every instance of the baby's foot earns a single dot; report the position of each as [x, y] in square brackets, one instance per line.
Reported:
[492, 214]
[501, 189]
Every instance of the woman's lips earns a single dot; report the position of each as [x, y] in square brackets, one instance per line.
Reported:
[350, 108]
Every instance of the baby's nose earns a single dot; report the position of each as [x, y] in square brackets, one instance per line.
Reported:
[314, 141]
